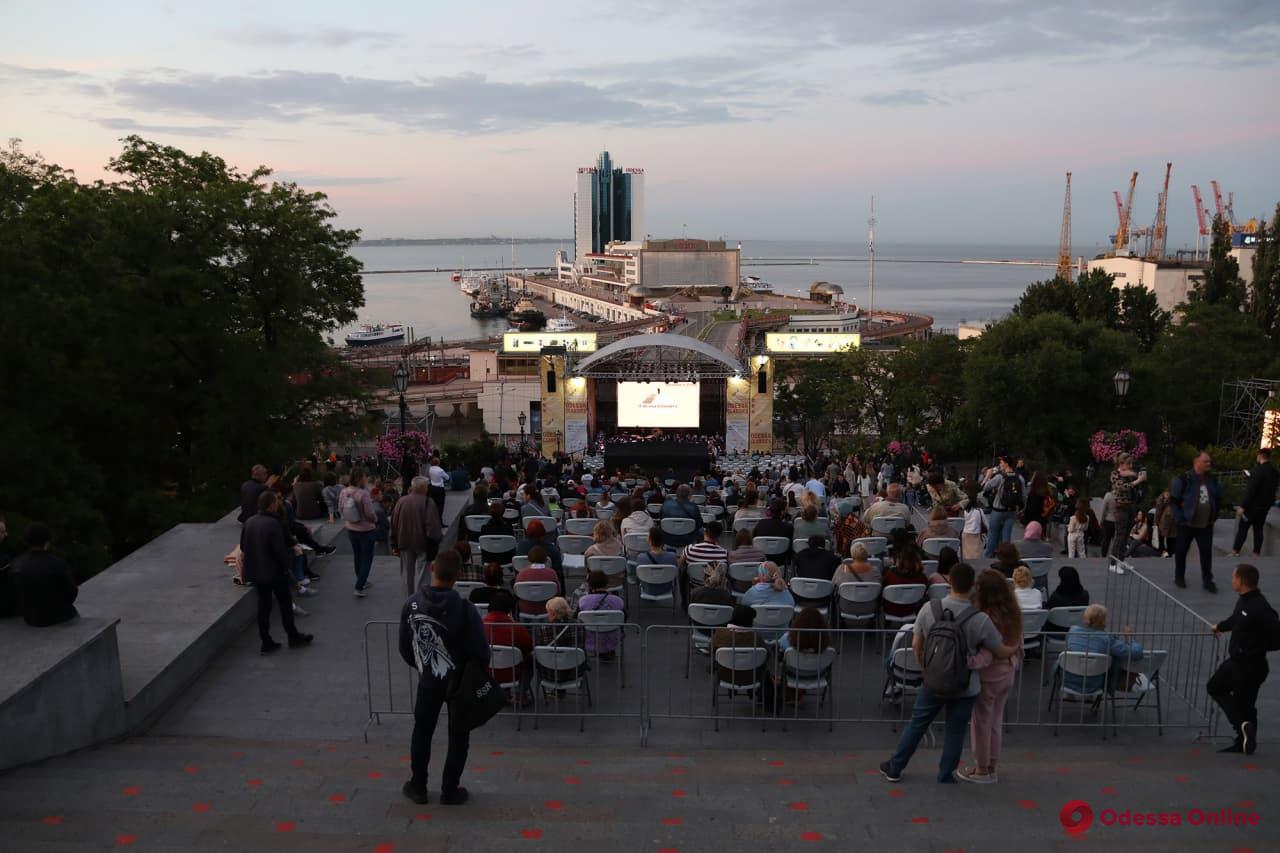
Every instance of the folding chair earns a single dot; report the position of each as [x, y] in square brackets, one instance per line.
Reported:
[536, 592]
[553, 663]
[939, 591]
[606, 622]
[611, 566]
[474, 524]
[1040, 568]
[655, 510]
[520, 562]
[464, 588]
[813, 592]
[1146, 672]
[604, 513]
[1032, 625]
[572, 548]
[934, 545]
[549, 523]
[904, 594]
[875, 545]
[704, 616]
[696, 572]
[738, 659]
[1084, 665]
[809, 671]
[886, 524]
[1064, 617]
[775, 548]
[748, 523]
[858, 602]
[495, 548]
[698, 500]
[579, 527]
[772, 618]
[677, 532]
[657, 575]
[742, 574]
[508, 658]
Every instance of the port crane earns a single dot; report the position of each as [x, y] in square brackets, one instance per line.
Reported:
[1064, 238]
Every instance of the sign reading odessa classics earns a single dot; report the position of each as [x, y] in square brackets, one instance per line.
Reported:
[535, 341]
[785, 342]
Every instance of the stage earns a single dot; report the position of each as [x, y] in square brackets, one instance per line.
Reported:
[654, 456]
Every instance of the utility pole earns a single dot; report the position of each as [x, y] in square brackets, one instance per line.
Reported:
[871, 255]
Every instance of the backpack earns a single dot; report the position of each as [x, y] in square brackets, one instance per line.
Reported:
[946, 653]
[1010, 497]
[350, 507]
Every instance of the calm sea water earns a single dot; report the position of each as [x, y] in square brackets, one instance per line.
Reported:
[433, 305]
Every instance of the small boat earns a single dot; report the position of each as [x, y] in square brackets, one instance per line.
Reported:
[484, 309]
[756, 285]
[457, 276]
[471, 284]
[372, 335]
[561, 324]
[527, 318]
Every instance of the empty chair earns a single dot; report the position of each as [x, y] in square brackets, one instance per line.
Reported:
[858, 602]
[875, 545]
[933, 547]
[885, 524]
[812, 592]
[474, 524]
[938, 591]
[561, 668]
[904, 677]
[578, 527]
[808, 671]
[677, 532]
[1032, 624]
[906, 595]
[536, 592]
[745, 524]
[572, 549]
[704, 618]
[771, 618]
[657, 575]
[774, 547]
[497, 549]
[744, 665]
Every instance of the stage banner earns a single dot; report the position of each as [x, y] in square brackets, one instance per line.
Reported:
[762, 405]
[576, 413]
[552, 379]
[737, 415]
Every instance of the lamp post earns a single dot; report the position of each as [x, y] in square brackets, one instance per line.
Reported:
[1122, 380]
[521, 418]
[400, 378]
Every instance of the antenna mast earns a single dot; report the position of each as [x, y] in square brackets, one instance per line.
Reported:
[871, 253]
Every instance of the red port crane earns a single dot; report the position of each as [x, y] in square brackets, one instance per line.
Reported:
[1064, 239]
[1202, 219]
[1217, 199]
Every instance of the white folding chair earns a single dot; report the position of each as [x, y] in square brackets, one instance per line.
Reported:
[748, 523]
[561, 669]
[742, 575]
[743, 659]
[635, 544]
[812, 592]
[886, 524]
[536, 592]
[938, 591]
[508, 658]
[495, 548]
[1032, 624]
[655, 510]
[1083, 665]
[549, 523]
[906, 595]
[772, 618]
[775, 548]
[579, 527]
[604, 513]
[601, 622]
[474, 524]
[677, 532]
[1062, 618]
[520, 562]
[657, 575]
[572, 548]
[858, 602]
[704, 618]
[698, 500]
[464, 588]
[697, 573]
[934, 545]
[929, 566]
[614, 567]
[809, 671]
[875, 545]
[1141, 678]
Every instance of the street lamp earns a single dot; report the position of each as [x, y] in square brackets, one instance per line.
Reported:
[400, 380]
[1122, 380]
[521, 418]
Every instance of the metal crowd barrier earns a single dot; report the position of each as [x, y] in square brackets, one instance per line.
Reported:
[607, 688]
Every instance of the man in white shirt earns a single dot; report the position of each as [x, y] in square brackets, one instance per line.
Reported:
[439, 483]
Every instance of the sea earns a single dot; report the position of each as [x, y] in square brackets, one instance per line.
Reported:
[936, 279]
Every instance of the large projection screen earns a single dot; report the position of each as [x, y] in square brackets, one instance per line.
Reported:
[658, 404]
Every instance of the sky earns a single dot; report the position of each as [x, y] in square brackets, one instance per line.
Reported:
[752, 119]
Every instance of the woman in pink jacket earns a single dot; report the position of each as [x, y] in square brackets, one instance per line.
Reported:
[991, 595]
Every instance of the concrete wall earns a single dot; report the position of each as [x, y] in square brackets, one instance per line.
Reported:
[1170, 282]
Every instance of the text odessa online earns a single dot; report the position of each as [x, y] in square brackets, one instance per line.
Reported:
[1194, 817]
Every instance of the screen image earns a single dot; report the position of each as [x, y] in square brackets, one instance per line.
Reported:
[658, 404]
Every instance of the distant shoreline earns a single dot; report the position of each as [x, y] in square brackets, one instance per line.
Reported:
[457, 241]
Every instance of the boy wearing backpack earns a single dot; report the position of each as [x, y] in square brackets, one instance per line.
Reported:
[1255, 630]
[946, 633]
[1006, 491]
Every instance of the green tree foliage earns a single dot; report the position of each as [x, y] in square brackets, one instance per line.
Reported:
[1264, 292]
[1221, 284]
[1040, 386]
[160, 334]
[1094, 297]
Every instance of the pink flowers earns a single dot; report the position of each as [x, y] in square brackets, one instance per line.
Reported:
[1105, 445]
[393, 444]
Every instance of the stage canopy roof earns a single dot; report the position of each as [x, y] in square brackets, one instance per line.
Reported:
[665, 357]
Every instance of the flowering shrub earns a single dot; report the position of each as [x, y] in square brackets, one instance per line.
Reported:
[896, 447]
[1105, 445]
[393, 444]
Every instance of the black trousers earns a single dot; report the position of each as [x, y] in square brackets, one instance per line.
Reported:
[426, 713]
[1235, 688]
[1203, 537]
[1244, 523]
[279, 589]
[437, 494]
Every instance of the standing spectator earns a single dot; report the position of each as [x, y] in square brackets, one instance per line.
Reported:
[1108, 521]
[979, 633]
[415, 533]
[1124, 482]
[361, 522]
[944, 493]
[439, 634]
[267, 560]
[459, 477]
[1195, 498]
[1077, 530]
[975, 524]
[1007, 492]
[1253, 627]
[1040, 502]
[250, 489]
[991, 596]
[308, 496]
[332, 489]
[1259, 497]
[8, 593]
[438, 482]
[46, 591]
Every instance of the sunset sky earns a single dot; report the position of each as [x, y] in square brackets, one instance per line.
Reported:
[752, 119]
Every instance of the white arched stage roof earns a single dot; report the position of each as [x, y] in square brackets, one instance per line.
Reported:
[662, 355]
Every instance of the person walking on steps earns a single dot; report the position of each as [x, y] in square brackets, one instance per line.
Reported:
[267, 560]
[1195, 498]
[1259, 497]
[439, 634]
[1255, 630]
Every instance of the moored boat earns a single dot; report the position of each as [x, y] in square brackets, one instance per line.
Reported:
[375, 334]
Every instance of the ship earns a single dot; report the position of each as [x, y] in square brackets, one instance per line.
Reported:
[561, 323]
[456, 277]
[486, 308]
[372, 335]
[756, 285]
[526, 318]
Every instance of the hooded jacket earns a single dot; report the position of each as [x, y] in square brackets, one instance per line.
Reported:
[439, 634]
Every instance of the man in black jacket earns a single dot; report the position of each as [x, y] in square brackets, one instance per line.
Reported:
[439, 634]
[250, 490]
[267, 558]
[816, 561]
[46, 590]
[1259, 496]
[1253, 625]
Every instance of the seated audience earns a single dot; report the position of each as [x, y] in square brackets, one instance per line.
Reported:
[1070, 593]
[493, 584]
[1029, 598]
[770, 588]
[713, 589]
[599, 598]
[46, 591]
[938, 527]
[744, 549]
[857, 569]
[891, 507]
[908, 569]
[1033, 543]
[1092, 637]
[537, 570]
[1007, 559]
[656, 555]
[816, 561]
[502, 630]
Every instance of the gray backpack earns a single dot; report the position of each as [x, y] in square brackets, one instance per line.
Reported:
[946, 653]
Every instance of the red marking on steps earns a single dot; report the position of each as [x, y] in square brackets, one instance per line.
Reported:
[422, 817]
[237, 754]
[1108, 790]
[572, 780]
[286, 826]
[777, 763]
[1062, 771]
[1245, 804]
[191, 769]
[331, 748]
[553, 805]
[1194, 751]
[132, 791]
[406, 758]
[52, 820]
[582, 762]
[1250, 766]
[672, 821]
[1183, 778]
[1026, 804]
[497, 753]
[532, 834]
[668, 850]
[786, 783]
[202, 808]
[384, 847]
[811, 836]
[254, 783]
[125, 839]
[298, 762]
[337, 798]
[674, 755]
[479, 769]
[897, 792]
[374, 774]
[677, 793]
[919, 820]
[798, 807]
[678, 771]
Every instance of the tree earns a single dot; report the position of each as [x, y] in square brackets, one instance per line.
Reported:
[159, 335]
[1140, 315]
[1094, 297]
[1264, 291]
[1221, 283]
[1040, 386]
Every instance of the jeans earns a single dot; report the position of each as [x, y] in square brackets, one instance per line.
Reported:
[1203, 537]
[279, 590]
[999, 531]
[409, 565]
[923, 713]
[1242, 528]
[362, 553]
[426, 713]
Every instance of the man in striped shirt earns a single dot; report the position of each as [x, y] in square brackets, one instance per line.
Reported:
[707, 551]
